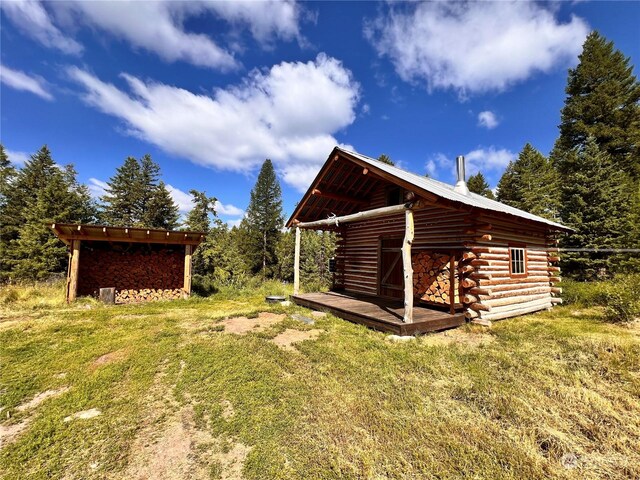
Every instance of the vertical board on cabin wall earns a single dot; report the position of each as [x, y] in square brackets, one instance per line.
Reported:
[72, 282]
[187, 269]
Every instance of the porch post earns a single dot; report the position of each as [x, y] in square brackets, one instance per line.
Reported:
[72, 282]
[407, 267]
[296, 264]
[188, 251]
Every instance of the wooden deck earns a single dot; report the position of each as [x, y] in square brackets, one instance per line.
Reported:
[378, 313]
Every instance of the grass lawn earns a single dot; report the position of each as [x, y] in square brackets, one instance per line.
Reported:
[167, 390]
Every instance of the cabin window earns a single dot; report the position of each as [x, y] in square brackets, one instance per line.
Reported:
[395, 196]
[517, 262]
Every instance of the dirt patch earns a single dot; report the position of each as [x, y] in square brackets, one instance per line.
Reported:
[286, 339]
[227, 409]
[8, 433]
[457, 336]
[41, 397]
[317, 314]
[233, 461]
[84, 415]
[111, 357]
[173, 454]
[244, 325]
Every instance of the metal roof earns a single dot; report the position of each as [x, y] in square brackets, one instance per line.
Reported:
[67, 232]
[447, 191]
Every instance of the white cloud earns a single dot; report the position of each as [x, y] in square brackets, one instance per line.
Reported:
[17, 158]
[228, 209]
[476, 46]
[97, 188]
[33, 20]
[481, 159]
[21, 81]
[288, 113]
[488, 119]
[182, 199]
[157, 26]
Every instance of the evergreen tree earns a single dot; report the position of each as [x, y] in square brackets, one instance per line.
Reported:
[136, 198]
[261, 228]
[530, 184]
[199, 220]
[161, 210]
[478, 184]
[386, 159]
[8, 228]
[602, 102]
[47, 194]
[596, 204]
[123, 198]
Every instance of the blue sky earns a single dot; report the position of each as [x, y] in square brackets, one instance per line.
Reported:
[212, 89]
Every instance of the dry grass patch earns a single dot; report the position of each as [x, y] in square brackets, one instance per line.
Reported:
[244, 325]
[111, 357]
[286, 339]
[41, 397]
[458, 336]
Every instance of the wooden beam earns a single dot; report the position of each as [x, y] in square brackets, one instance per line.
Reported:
[407, 267]
[338, 197]
[188, 250]
[354, 217]
[72, 283]
[296, 264]
[100, 238]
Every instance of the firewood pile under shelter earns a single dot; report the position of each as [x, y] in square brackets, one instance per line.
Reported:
[141, 264]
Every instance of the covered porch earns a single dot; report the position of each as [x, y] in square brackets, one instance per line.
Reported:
[380, 314]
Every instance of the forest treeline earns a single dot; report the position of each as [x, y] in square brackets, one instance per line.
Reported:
[590, 182]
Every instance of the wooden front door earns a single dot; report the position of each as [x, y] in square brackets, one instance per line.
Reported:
[390, 272]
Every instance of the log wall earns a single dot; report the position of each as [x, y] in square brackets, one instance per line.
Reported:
[480, 242]
[137, 272]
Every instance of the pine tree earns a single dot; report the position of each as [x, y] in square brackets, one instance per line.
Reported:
[263, 222]
[8, 227]
[199, 220]
[48, 194]
[596, 203]
[602, 101]
[386, 159]
[161, 210]
[530, 184]
[123, 198]
[478, 184]
[136, 198]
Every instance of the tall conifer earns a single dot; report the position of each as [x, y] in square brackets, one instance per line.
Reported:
[530, 184]
[263, 222]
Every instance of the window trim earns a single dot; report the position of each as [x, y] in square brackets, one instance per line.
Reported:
[524, 260]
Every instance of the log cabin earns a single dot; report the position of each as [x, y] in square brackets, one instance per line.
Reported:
[140, 264]
[417, 255]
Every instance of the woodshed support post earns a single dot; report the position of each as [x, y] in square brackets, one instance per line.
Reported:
[407, 267]
[188, 250]
[72, 281]
[452, 283]
[296, 264]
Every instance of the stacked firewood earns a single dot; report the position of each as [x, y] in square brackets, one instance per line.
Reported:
[432, 277]
[148, 294]
[133, 271]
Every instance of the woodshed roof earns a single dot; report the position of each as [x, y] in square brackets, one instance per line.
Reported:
[340, 188]
[102, 233]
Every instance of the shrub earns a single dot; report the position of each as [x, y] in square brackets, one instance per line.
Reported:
[622, 298]
[585, 294]
[203, 285]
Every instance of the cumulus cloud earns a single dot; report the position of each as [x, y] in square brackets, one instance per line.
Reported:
[181, 199]
[288, 113]
[482, 159]
[33, 20]
[17, 158]
[488, 119]
[474, 47]
[21, 81]
[97, 188]
[157, 27]
[228, 209]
